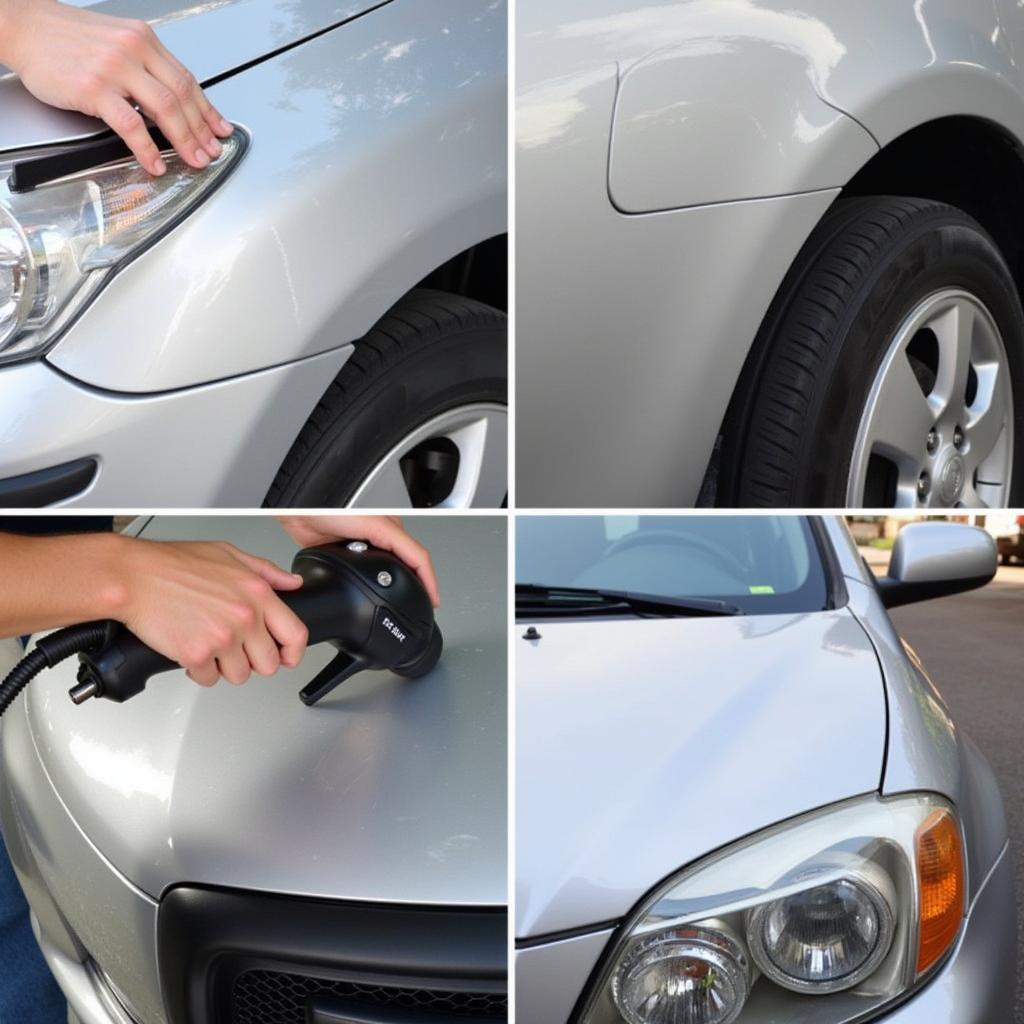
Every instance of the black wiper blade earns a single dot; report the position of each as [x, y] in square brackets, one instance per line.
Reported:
[553, 598]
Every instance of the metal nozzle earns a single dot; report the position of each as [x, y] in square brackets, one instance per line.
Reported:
[84, 690]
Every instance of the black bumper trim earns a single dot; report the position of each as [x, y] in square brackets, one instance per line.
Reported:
[48, 486]
[207, 938]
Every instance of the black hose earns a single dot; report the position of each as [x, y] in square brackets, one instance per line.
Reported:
[49, 651]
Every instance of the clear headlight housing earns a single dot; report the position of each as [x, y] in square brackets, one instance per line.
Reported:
[61, 242]
[856, 905]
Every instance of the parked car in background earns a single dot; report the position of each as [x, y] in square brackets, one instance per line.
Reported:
[233, 856]
[1009, 532]
[317, 319]
[768, 253]
[739, 798]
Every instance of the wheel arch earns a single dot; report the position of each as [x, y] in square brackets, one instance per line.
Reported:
[973, 162]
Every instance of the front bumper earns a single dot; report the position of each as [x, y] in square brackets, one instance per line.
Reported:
[203, 954]
[976, 985]
[215, 445]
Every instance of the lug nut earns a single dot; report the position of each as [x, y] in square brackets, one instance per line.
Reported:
[933, 441]
[958, 437]
[924, 485]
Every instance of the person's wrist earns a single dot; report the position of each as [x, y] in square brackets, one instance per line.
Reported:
[117, 565]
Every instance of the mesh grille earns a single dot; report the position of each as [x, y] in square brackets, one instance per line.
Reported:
[270, 997]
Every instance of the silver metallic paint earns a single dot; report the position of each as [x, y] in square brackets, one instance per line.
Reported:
[692, 118]
[391, 790]
[217, 445]
[700, 710]
[933, 552]
[632, 330]
[243, 30]
[577, 846]
[378, 152]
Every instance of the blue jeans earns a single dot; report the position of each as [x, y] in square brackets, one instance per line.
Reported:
[28, 993]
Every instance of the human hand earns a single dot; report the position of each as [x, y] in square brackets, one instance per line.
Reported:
[211, 608]
[384, 532]
[100, 65]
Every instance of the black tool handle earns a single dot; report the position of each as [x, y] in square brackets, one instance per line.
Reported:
[122, 667]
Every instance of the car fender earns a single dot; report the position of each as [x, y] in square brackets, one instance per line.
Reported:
[926, 750]
[907, 63]
[378, 152]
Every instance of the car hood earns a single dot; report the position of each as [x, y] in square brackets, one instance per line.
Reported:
[211, 38]
[388, 790]
[643, 745]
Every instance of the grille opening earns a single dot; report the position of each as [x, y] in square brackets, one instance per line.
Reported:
[275, 997]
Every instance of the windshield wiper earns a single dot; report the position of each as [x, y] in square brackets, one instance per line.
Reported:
[554, 600]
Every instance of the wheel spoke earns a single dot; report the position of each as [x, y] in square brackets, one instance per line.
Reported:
[385, 488]
[483, 463]
[902, 416]
[954, 330]
[983, 431]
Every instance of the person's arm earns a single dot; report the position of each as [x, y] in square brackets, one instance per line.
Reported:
[99, 65]
[384, 532]
[207, 606]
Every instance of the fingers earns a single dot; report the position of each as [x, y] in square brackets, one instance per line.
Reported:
[273, 574]
[262, 653]
[162, 103]
[289, 631]
[127, 122]
[390, 535]
[204, 675]
[175, 80]
[234, 665]
[217, 124]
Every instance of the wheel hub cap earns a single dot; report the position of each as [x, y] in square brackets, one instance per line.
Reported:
[952, 479]
[937, 427]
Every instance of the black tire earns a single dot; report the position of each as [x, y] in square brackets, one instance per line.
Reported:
[430, 353]
[792, 425]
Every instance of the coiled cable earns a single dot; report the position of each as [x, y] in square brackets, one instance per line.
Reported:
[50, 651]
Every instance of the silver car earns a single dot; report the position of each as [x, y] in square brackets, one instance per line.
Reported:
[768, 253]
[317, 319]
[232, 856]
[739, 798]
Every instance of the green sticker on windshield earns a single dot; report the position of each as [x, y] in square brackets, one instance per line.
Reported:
[766, 589]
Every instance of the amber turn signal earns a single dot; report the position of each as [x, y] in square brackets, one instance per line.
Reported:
[940, 874]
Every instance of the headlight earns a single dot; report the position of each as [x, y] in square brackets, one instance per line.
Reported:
[857, 905]
[825, 938]
[60, 243]
[685, 974]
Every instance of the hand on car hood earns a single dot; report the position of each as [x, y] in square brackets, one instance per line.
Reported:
[211, 39]
[643, 745]
[389, 790]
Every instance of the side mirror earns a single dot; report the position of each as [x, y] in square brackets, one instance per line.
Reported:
[935, 559]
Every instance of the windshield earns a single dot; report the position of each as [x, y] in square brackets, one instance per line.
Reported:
[760, 564]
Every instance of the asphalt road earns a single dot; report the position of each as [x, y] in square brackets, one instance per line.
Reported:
[973, 648]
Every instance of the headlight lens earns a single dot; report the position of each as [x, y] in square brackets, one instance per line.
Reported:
[856, 904]
[60, 243]
[697, 975]
[822, 939]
